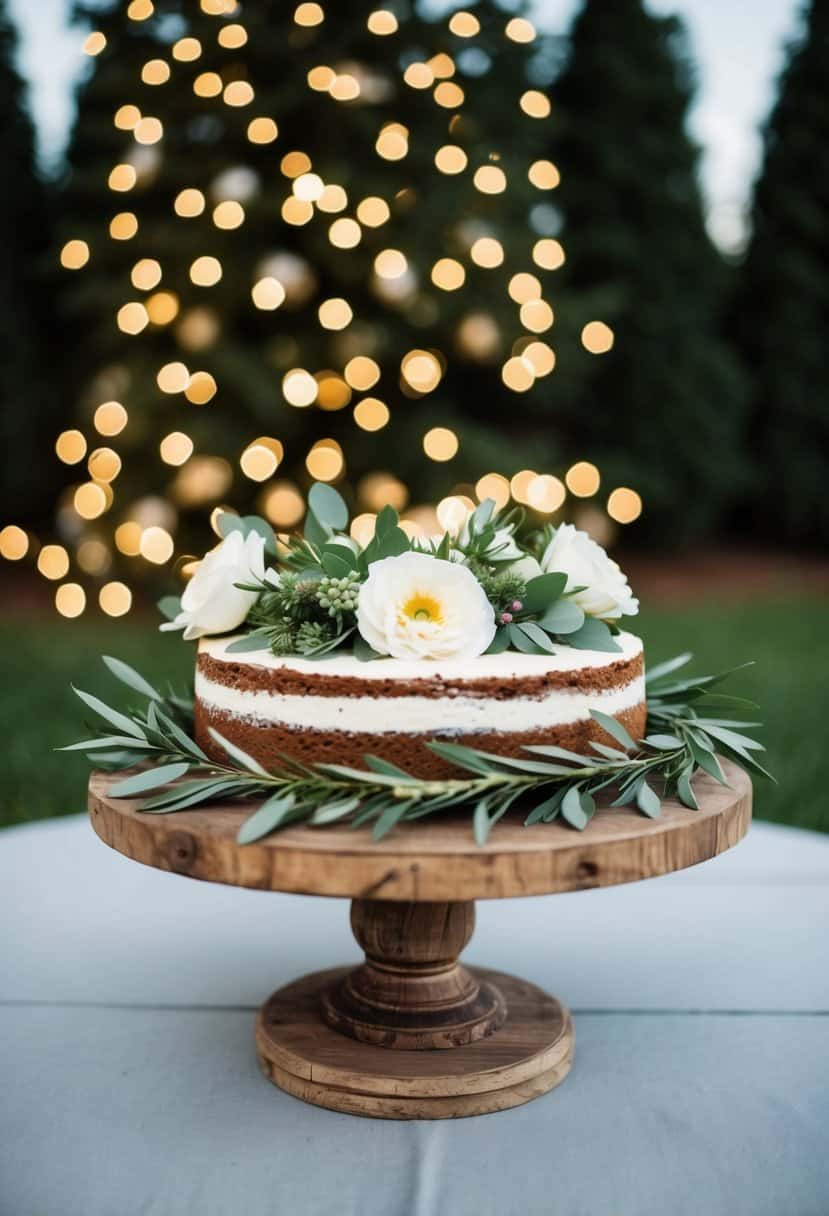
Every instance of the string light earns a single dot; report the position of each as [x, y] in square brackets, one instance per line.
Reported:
[520, 30]
[464, 25]
[361, 372]
[201, 389]
[229, 215]
[518, 374]
[115, 599]
[453, 512]
[162, 307]
[155, 72]
[520, 484]
[333, 392]
[442, 65]
[371, 414]
[126, 117]
[325, 460]
[541, 357]
[294, 164]
[392, 142]
[582, 479]
[123, 226]
[345, 234]
[14, 543]
[208, 84]
[361, 528]
[109, 419]
[449, 95]
[440, 443]
[122, 178]
[148, 130]
[70, 447]
[259, 461]
[95, 43]
[390, 264]
[299, 388]
[140, 10]
[421, 370]
[186, 50]
[231, 37]
[597, 338]
[206, 271]
[156, 545]
[333, 198]
[523, 287]
[489, 179]
[89, 500]
[545, 494]
[308, 187]
[93, 556]
[173, 378]
[321, 78]
[373, 212]
[53, 561]
[378, 490]
[268, 294]
[548, 254]
[624, 505]
[309, 14]
[535, 104]
[335, 313]
[448, 274]
[104, 465]
[419, 76]
[238, 93]
[262, 130]
[544, 175]
[128, 538]
[487, 252]
[451, 159]
[382, 22]
[494, 486]
[297, 211]
[176, 448]
[70, 599]
[189, 203]
[74, 255]
[132, 318]
[536, 316]
[283, 505]
[344, 88]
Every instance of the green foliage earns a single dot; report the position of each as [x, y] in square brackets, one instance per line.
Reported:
[781, 311]
[385, 794]
[663, 409]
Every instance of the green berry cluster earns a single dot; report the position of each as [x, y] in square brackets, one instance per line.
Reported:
[339, 595]
[311, 635]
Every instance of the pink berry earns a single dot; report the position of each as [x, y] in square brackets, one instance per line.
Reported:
[506, 617]
[517, 605]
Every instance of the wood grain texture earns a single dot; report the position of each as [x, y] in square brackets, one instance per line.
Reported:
[526, 1057]
[433, 859]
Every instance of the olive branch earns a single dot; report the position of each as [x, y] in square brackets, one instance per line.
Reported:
[682, 738]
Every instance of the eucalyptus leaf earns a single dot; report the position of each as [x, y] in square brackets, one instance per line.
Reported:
[150, 779]
[683, 788]
[329, 812]
[572, 810]
[129, 676]
[257, 640]
[614, 728]
[271, 814]
[563, 617]
[328, 506]
[663, 743]
[236, 753]
[122, 722]
[664, 669]
[594, 635]
[542, 592]
[500, 641]
[535, 634]
[169, 606]
[648, 801]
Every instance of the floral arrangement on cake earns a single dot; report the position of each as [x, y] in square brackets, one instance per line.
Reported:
[458, 595]
[483, 589]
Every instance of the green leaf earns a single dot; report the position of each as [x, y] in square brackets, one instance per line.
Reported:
[594, 635]
[707, 761]
[150, 779]
[257, 640]
[534, 634]
[543, 591]
[193, 793]
[481, 823]
[614, 729]
[609, 753]
[386, 522]
[733, 739]
[335, 566]
[522, 765]
[546, 811]
[169, 606]
[328, 506]
[227, 522]
[500, 641]
[664, 669]
[109, 741]
[326, 647]
[129, 676]
[169, 729]
[558, 753]
[236, 753]
[563, 617]
[315, 532]
[261, 527]
[683, 788]
[388, 819]
[271, 815]
[647, 801]
[572, 809]
[482, 514]
[463, 757]
[363, 652]
[118, 720]
[329, 812]
[378, 765]
[663, 743]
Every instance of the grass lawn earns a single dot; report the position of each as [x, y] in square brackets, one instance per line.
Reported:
[787, 638]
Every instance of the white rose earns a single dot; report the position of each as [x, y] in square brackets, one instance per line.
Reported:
[606, 594]
[211, 603]
[420, 607]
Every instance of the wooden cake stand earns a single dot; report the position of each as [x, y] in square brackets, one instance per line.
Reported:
[412, 1033]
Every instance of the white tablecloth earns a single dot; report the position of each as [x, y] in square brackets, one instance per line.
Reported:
[130, 1084]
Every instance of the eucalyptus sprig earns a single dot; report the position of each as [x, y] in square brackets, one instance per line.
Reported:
[683, 737]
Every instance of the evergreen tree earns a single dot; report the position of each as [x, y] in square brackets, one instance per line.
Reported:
[220, 86]
[781, 316]
[27, 403]
[663, 406]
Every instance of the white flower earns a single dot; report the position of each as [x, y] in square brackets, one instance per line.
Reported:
[211, 603]
[420, 607]
[606, 593]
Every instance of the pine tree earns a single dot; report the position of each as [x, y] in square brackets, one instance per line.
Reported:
[219, 164]
[27, 401]
[663, 406]
[781, 316]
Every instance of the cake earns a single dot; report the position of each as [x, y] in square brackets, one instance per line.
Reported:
[337, 709]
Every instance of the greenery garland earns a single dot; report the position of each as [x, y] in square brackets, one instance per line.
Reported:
[681, 739]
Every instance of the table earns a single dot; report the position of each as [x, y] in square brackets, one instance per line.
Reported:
[130, 1082]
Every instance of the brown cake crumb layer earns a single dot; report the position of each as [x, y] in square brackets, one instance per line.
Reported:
[248, 676]
[268, 743]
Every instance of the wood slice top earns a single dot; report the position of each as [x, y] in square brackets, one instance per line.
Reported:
[431, 859]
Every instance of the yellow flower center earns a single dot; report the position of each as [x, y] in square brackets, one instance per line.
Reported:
[421, 607]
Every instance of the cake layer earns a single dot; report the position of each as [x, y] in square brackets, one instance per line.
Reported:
[338, 708]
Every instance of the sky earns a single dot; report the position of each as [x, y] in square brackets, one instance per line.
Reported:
[738, 46]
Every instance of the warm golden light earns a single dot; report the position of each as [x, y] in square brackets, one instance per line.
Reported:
[421, 370]
[494, 486]
[262, 130]
[95, 43]
[487, 253]
[128, 538]
[283, 505]
[335, 313]
[392, 142]
[362, 528]
[238, 93]
[74, 255]
[373, 212]
[132, 318]
[115, 599]
[325, 460]
[548, 254]
[382, 22]
[453, 512]
[140, 10]
[148, 131]
[544, 175]
[70, 447]
[344, 88]
[14, 543]
[299, 387]
[583, 479]
[378, 490]
[268, 294]
[345, 233]
[333, 198]
[523, 287]
[449, 95]
[308, 187]
[541, 357]
[419, 76]
[109, 419]
[173, 378]
[155, 71]
[162, 307]
[104, 465]
[189, 203]
[464, 25]
[597, 337]
[122, 178]
[520, 30]
[231, 37]
[451, 159]
[176, 448]
[518, 374]
[202, 480]
[321, 78]
[53, 561]
[126, 117]
[520, 484]
[545, 494]
[205, 271]
[90, 500]
[390, 264]
[70, 599]
[146, 274]
[440, 443]
[201, 389]
[229, 215]
[333, 392]
[361, 372]
[624, 505]
[309, 14]
[448, 274]
[123, 226]
[294, 164]
[297, 211]
[371, 414]
[93, 556]
[489, 179]
[208, 84]
[186, 50]
[536, 316]
[156, 545]
[258, 462]
[535, 104]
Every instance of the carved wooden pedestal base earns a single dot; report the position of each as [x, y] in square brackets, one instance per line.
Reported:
[434, 1039]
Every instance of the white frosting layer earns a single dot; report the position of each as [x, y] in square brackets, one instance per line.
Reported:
[423, 715]
[509, 665]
